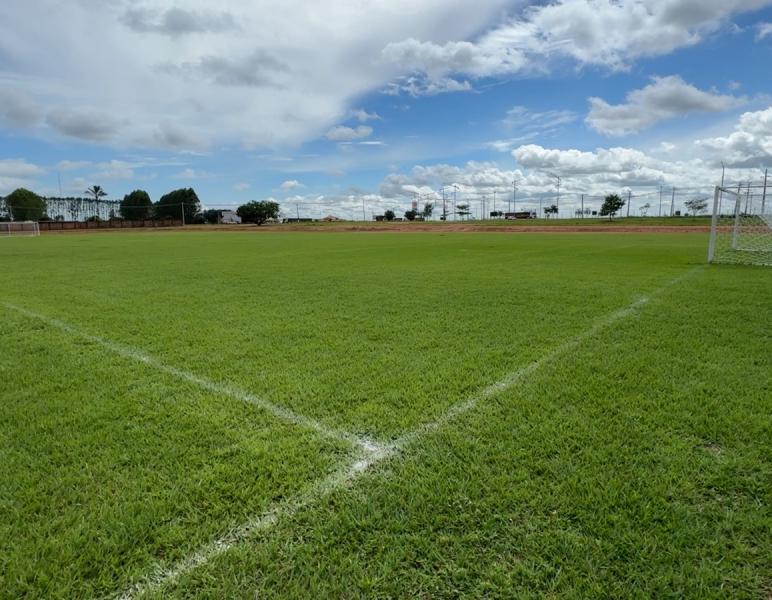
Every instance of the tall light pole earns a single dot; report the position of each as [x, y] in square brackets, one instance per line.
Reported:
[513, 208]
[721, 193]
[764, 193]
[672, 203]
[660, 200]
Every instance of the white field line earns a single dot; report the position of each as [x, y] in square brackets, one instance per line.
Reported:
[512, 378]
[211, 386]
[338, 479]
[371, 456]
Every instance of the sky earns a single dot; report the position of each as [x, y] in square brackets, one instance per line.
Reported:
[353, 107]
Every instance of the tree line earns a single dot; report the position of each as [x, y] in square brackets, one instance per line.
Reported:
[25, 205]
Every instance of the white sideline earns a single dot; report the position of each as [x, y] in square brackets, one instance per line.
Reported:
[211, 386]
[370, 456]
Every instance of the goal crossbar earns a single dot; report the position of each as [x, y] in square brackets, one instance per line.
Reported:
[19, 228]
[740, 228]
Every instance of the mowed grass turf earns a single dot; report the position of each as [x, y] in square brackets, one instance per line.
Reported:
[638, 467]
[636, 464]
[109, 467]
[370, 332]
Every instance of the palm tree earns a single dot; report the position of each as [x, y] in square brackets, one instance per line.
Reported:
[462, 210]
[97, 192]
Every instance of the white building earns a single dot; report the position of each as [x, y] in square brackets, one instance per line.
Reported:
[229, 217]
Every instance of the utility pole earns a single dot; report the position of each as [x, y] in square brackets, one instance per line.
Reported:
[764, 193]
[747, 198]
[672, 203]
[660, 200]
[297, 210]
[629, 195]
[455, 189]
[513, 208]
[182, 207]
[364, 214]
[494, 200]
[721, 192]
[583, 206]
[444, 205]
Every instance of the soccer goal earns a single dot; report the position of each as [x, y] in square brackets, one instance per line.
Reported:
[16, 228]
[741, 228]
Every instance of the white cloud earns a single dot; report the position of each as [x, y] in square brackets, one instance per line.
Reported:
[592, 174]
[605, 33]
[18, 110]
[240, 187]
[530, 125]
[437, 60]
[291, 184]
[572, 162]
[667, 147]
[763, 30]
[600, 171]
[192, 174]
[665, 98]
[521, 118]
[620, 167]
[72, 165]
[183, 76]
[749, 145]
[87, 125]
[177, 21]
[509, 144]
[472, 176]
[341, 133]
[16, 173]
[114, 169]
[19, 168]
[422, 86]
[361, 115]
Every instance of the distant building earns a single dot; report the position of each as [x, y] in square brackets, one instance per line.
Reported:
[229, 217]
[331, 218]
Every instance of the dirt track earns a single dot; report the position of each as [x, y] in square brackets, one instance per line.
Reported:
[463, 228]
[407, 228]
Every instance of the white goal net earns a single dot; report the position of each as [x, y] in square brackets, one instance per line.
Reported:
[16, 228]
[741, 227]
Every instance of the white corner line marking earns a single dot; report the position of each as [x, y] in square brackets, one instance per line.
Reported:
[370, 454]
[280, 412]
[340, 478]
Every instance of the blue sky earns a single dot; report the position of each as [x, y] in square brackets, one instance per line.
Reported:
[329, 107]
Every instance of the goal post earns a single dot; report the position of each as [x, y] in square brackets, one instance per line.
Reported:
[740, 228]
[19, 228]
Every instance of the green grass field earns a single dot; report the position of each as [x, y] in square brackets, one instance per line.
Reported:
[437, 415]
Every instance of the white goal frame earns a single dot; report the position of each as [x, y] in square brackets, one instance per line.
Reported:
[19, 228]
[740, 228]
